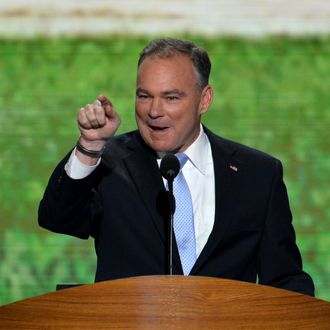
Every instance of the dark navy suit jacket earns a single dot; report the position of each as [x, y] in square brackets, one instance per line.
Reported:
[123, 205]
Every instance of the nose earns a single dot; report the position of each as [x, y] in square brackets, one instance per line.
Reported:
[155, 110]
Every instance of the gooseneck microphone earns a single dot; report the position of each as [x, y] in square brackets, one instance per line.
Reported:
[169, 169]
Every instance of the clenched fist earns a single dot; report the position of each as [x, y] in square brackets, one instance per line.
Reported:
[97, 123]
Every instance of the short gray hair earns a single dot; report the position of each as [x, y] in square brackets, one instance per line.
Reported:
[167, 47]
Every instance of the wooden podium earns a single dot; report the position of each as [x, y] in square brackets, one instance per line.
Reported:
[168, 302]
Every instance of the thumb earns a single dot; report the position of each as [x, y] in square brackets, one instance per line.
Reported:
[104, 100]
[107, 105]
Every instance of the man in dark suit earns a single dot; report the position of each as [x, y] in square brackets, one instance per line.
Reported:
[109, 187]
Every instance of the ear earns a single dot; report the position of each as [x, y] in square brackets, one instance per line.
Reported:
[206, 99]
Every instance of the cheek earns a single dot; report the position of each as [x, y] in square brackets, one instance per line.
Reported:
[176, 115]
[140, 114]
[183, 120]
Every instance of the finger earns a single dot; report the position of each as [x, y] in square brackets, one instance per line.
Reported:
[99, 112]
[104, 100]
[83, 120]
[97, 103]
[91, 116]
[107, 105]
[100, 115]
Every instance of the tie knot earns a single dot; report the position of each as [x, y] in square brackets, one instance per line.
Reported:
[182, 159]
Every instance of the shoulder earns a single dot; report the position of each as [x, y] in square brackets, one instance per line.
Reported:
[118, 147]
[126, 145]
[241, 153]
[121, 143]
[123, 139]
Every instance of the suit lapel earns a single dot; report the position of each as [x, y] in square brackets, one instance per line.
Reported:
[227, 175]
[143, 169]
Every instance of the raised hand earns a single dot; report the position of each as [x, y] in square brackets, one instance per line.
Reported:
[97, 123]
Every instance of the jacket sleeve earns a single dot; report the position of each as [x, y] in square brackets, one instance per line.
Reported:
[70, 206]
[279, 260]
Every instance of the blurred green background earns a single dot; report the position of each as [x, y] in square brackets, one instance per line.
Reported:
[272, 94]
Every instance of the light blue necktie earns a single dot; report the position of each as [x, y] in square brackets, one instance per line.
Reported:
[183, 222]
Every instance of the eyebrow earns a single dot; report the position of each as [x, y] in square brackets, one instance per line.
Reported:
[141, 90]
[164, 93]
[174, 91]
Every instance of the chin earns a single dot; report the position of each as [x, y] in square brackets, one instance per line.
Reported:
[160, 147]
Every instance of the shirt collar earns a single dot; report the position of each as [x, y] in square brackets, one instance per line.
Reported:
[197, 152]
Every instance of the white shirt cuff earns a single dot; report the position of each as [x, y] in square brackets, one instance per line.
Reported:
[75, 169]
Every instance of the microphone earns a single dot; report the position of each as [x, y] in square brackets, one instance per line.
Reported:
[169, 169]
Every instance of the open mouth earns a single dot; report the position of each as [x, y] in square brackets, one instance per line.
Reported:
[158, 128]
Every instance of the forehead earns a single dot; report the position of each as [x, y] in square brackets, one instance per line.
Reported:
[177, 69]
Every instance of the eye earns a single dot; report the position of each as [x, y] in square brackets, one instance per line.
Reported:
[172, 98]
[142, 96]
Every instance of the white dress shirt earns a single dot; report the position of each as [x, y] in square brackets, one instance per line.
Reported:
[199, 174]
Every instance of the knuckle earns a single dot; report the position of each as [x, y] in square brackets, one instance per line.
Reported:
[83, 121]
[99, 110]
[81, 111]
[89, 107]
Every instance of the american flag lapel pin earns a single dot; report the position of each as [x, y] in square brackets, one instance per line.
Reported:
[234, 168]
